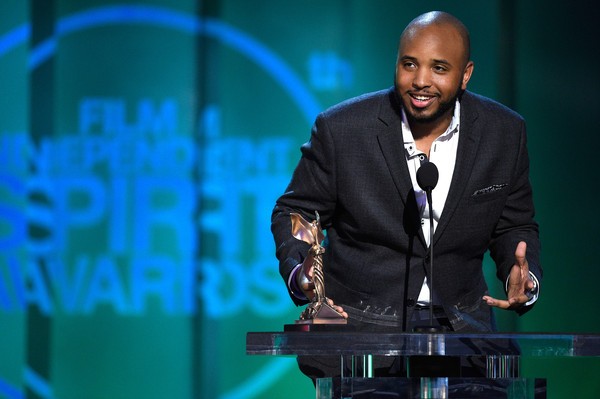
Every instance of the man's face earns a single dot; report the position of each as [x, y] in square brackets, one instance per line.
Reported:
[431, 71]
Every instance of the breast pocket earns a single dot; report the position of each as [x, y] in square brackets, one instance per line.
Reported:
[490, 193]
[479, 214]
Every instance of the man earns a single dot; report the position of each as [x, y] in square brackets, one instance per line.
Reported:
[358, 171]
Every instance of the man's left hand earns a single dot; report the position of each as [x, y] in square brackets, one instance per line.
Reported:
[519, 283]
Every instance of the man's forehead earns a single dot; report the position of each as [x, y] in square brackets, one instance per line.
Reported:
[442, 31]
[445, 39]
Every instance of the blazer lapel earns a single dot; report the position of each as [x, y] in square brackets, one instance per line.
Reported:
[468, 142]
[391, 144]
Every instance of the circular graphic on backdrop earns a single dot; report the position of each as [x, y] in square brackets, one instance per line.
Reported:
[166, 18]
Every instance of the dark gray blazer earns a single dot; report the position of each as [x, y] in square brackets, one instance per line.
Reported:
[353, 171]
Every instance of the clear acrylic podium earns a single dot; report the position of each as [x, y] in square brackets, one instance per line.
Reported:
[356, 349]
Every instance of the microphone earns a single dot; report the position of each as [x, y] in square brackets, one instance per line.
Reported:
[427, 178]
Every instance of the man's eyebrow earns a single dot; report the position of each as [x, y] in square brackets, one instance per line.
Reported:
[408, 58]
[434, 61]
[442, 61]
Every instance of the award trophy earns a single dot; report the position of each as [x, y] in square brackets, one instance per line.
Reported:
[318, 311]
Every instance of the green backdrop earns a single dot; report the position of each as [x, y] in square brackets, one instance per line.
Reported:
[142, 147]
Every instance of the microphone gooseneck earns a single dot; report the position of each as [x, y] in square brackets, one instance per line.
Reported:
[427, 178]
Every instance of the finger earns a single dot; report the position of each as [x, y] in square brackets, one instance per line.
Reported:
[520, 281]
[517, 301]
[337, 308]
[307, 288]
[517, 277]
[498, 303]
[529, 284]
[511, 303]
[307, 265]
[520, 254]
[340, 310]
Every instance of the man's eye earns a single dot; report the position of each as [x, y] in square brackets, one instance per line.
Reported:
[440, 68]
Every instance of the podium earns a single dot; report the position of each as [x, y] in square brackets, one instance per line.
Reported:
[357, 350]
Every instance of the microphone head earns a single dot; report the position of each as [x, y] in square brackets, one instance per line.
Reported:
[427, 176]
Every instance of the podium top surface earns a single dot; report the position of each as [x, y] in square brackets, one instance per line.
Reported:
[410, 344]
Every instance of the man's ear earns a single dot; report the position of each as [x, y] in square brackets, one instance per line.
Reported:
[467, 74]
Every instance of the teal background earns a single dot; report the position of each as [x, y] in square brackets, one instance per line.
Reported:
[143, 144]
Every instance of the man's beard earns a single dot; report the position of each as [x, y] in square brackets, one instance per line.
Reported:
[418, 117]
[422, 117]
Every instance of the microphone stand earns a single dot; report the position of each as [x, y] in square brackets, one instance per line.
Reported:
[427, 178]
[435, 381]
[430, 257]
[436, 376]
[430, 328]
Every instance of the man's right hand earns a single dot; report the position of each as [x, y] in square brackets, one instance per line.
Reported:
[304, 277]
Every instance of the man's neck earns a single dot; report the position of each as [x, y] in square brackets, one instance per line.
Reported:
[425, 133]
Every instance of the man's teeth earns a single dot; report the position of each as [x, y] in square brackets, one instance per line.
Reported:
[422, 98]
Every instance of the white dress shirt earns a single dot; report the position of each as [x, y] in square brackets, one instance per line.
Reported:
[443, 155]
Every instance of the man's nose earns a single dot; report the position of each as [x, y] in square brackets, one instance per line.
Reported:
[422, 78]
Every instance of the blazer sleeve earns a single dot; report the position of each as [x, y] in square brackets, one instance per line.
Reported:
[517, 221]
[311, 189]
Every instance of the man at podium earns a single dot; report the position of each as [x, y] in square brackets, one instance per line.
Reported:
[359, 171]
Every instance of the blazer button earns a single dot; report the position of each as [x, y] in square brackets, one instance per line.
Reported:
[410, 302]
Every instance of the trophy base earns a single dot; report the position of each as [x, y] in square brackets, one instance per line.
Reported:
[324, 314]
[307, 327]
[321, 314]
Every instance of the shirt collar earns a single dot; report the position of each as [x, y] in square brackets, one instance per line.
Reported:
[409, 141]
